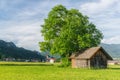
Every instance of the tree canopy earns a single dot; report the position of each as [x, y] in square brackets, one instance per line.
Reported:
[67, 31]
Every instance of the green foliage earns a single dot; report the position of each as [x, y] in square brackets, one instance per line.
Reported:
[67, 31]
[65, 62]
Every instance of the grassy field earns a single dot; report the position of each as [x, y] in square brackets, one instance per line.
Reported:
[45, 71]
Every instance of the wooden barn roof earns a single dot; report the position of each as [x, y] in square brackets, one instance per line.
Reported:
[88, 53]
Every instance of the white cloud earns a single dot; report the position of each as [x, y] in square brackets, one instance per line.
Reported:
[38, 8]
[23, 27]
[96, 7]
[29, 42]
[112, 40]
[24, 35]
[105, 14]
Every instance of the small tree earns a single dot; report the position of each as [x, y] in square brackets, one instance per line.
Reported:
[67, 31]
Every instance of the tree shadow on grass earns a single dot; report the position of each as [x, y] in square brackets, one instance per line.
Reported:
[26, 64]
[114, 68]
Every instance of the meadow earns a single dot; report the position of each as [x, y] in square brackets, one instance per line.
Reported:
[46, 71]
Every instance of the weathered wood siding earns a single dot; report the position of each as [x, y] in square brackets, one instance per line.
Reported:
[81, 63]
[91, 58]
[99, 60]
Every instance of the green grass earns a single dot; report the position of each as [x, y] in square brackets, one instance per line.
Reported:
[45, 71]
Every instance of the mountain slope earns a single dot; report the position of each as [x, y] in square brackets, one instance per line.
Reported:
[112, 49]
[9, 49]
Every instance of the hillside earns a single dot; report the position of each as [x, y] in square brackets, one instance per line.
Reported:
[9, 49]
[112, 49]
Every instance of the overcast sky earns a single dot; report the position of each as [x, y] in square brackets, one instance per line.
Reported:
[20, 20]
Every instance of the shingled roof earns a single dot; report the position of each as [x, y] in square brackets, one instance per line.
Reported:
[88, 53]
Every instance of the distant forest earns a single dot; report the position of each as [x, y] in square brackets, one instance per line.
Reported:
[10, 50]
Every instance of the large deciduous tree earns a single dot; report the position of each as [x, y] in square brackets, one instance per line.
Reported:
[67, 31]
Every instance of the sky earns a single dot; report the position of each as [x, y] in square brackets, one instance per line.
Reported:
[20, 20]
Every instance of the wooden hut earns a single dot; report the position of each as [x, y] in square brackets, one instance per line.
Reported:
[95, 57]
